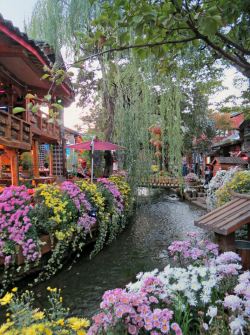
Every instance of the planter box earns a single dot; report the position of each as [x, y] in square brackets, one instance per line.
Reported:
[47, 247]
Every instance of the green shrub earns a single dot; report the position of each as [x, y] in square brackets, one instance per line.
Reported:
[240, 184]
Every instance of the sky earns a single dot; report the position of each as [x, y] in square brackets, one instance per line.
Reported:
[20, 10]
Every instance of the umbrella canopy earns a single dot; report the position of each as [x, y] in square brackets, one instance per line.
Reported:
[98, 145]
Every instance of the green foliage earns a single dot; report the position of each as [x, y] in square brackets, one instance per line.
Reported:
[134, 105]
[17, 110]
[23, 317]
[223, 26]
[240, 184]
[124, 101]
[171, 117]
[26, 161]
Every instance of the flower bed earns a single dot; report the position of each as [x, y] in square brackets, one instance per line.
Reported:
[22, 318]
[64, 215]
[205, 293]
[240, 183]
[202, 293]
[221, 178]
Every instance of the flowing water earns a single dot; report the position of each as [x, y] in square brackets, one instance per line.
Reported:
[141, 247]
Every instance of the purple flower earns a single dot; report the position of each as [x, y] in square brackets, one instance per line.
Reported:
[86, 222]
[76, 195]
[15, 223]
[233, 302]
[228, 257]
[112, 188]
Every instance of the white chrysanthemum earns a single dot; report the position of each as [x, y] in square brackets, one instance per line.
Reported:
[240, 288]
[244, 277]
[202, 271]
[237, 325]
[195, 285]
[212, 312]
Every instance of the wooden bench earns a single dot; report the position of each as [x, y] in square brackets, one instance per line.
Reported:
[225, 220]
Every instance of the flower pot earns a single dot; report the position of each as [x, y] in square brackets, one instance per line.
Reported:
[46, 247]
[19, 259]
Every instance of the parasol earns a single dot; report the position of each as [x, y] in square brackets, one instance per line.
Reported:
[95, 145]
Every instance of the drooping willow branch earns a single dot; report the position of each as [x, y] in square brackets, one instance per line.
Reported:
[135, 46]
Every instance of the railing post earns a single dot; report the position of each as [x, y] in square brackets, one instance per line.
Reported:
[13, 155]
[35, 150]
[51, 161]
[8, 127]
[21, 131]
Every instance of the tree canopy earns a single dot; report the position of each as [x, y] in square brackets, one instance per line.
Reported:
[218, 27]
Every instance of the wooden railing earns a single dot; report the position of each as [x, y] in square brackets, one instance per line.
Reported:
[41, 126]
[14, 131]
[161, 181]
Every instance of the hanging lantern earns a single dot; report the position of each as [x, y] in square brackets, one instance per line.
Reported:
[158, 154]
[157, 130]
[158, 144]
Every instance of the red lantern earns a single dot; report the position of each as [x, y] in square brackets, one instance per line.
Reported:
[157, 130]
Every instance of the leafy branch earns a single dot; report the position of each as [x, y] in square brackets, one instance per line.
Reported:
[133, 46]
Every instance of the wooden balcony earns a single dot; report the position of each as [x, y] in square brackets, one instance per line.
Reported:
[40, 125]
[14, 132]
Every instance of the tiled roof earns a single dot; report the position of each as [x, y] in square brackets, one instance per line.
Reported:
[39, 47]
[36, 45]
[230, 140]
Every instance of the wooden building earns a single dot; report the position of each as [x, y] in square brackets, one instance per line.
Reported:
[22, 62]
[225, 163]
[245, 138]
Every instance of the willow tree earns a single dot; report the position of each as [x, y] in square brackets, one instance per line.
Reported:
[126, 88]
[66, 25]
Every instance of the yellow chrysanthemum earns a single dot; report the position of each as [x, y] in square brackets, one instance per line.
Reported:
[38, 315]
[4, 327]
[78, 323]
[81, 332]
[60, 322]
[6, 299]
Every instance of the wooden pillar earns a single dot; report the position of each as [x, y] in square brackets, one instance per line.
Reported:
[63, 141]
[248, 230]
[13, 155]
[51, 160]
[226, 243]
[35, 149]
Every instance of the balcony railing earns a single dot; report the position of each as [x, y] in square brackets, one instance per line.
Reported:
[41, 126]
[14, 131]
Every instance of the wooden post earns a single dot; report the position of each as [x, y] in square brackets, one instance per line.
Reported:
[13, 155]
[226, 243]
[248, 230]
[35, 150]
[51, 160]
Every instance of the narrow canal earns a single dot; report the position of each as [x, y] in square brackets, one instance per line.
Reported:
[141, 247]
